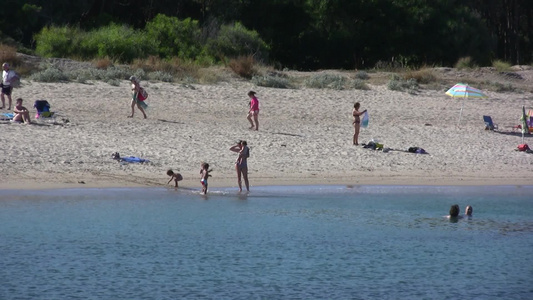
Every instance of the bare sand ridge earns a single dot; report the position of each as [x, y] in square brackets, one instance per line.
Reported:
[305, 136]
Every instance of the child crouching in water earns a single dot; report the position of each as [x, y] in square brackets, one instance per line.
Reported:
[174, 176]
[204, 172]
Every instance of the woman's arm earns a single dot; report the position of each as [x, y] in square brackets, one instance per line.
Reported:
[235, 148]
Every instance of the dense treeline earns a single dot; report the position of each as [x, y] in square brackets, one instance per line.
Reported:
[308, 34]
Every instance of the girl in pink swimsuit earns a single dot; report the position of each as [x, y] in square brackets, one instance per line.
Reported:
[254, 111]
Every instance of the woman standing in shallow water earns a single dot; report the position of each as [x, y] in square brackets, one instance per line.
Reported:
[356, 122]
[241, 164]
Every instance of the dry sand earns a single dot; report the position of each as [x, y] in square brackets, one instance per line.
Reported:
[305, 137]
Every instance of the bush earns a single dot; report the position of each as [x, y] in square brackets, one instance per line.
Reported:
[271, 81]
[243, 66]
[49, 75]
[120, 43]
[321, 81]
[175, 38]
[422, 76]
[54, 41]
[235, 40]
[359, 84]
[398, 84]
[9, 54]
[362, 75]
[465, 63]
[161, 76]
[501, 66]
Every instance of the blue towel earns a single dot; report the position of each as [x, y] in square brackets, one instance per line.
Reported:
[133, 159]
[8, 115]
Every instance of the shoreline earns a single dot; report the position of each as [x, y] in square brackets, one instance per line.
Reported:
[226, 182]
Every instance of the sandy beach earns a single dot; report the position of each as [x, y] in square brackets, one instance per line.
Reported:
[305, 137]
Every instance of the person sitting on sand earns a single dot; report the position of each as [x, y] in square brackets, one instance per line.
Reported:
[135, 89]
[356, 122]
[174, 176]
[204, 172]
[21, 113]
[468, 211]
[254, 111]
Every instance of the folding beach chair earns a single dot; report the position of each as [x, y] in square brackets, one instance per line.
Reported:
[489, 125]
[43, 109]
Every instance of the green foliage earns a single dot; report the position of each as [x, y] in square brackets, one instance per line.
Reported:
[118, 42]
[121, 43]
[321, 81]
[272, 81]
[54, 41]
[175, 38]
[501, 66]
[235, 40]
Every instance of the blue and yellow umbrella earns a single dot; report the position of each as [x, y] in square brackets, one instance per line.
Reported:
[462, 90]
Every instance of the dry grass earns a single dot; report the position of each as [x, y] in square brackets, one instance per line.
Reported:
[243, 66]
[424, 75]
[9, 54]
[103, 63]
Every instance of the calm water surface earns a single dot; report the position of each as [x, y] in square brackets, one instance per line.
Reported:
[316, 242]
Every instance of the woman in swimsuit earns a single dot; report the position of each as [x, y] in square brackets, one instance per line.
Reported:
[241, 164]
[356, 122]
[135, 88]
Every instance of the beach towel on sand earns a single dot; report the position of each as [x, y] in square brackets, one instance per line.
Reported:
[364, 120]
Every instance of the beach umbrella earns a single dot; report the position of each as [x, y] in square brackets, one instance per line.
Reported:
[462, 90]
[523, 119]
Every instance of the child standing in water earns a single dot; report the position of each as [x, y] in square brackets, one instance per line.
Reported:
[174, 176]
[204, 172]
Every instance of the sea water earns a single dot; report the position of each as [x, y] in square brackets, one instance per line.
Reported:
[318, 242]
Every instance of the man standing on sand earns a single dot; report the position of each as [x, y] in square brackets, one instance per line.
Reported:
[8, 77]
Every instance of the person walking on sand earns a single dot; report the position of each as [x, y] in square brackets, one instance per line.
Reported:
[204, 172]
[254, 111]
[356, 122]
[21, 113]
[135, 101]
[241, 164]
[8, 76]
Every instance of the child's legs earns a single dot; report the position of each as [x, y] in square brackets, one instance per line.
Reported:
[249, 117]
[256, 119]
[18, 118]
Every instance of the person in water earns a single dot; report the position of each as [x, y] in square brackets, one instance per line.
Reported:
[468, 211]
[204, 175]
